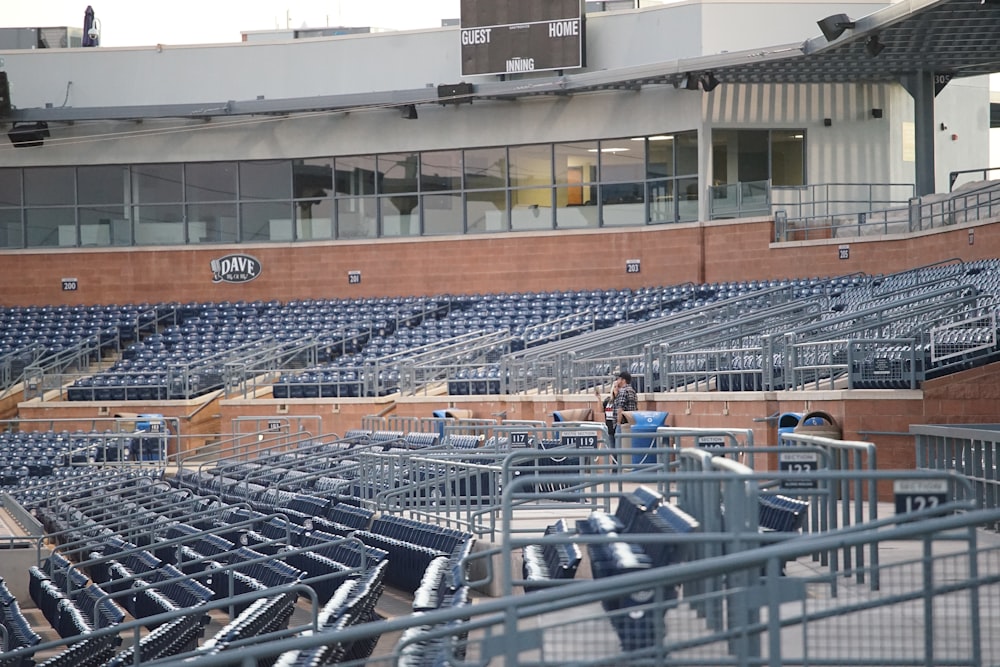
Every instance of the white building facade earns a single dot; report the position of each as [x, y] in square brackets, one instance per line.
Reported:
[158, 146]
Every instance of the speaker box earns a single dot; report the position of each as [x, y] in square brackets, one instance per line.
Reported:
[28, 135]
[455, 93]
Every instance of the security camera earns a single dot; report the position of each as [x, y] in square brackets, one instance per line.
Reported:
[93, 34]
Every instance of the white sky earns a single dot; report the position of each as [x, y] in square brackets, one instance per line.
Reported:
[143, 23]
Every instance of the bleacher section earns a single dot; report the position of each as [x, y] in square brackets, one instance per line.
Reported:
[149, 569]
[914, 325]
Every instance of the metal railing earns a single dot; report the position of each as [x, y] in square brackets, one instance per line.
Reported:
[13, 365]
[849, 218]
[969, 450]
[984, 174]
[467, 358]
[588, 360]
[740, 200]
[47, 374]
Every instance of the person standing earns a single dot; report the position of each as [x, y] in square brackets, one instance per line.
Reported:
[623, 399]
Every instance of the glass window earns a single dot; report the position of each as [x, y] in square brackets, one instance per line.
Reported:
[576, 163]
[660, 148]
[314, 219]
[104, 225]
[756, 156]
[11, 233]
[661, 201]
[212, 223]
[623, 170]
[571, 215]
[440, 170]
[442, 213]
[102, 185]
[49, 186]
[485, 168]
[270, 221]
[486, 211]
[582, 194]
[400, 215]
[357, 218]
[210, 181]
[10, 187]
[623, 160]
[354, 175]
[687, 199]
[156, 183]
[752, 156]
[312, 179]
[266, 179]
[623, 204]
[530, 165]
[686, 149]
[622, 193]
[788, 150]
[49, 227]
[158, 225]
[531, 209]
[398, 172]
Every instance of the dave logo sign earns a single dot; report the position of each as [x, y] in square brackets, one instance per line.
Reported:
[235, 269]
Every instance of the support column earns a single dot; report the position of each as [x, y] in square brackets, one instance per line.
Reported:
[920, 85]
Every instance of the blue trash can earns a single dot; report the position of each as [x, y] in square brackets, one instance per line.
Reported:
[442, 415]
[643, 421]
[787, 422]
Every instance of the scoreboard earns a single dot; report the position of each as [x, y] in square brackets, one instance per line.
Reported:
[516, 36]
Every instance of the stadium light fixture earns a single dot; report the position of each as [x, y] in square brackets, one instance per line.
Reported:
[708, 81]
[834, 26]
[874, 46]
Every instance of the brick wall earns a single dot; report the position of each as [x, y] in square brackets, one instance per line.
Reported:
[670, 254]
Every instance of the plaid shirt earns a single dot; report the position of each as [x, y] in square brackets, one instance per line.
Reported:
[625, 401]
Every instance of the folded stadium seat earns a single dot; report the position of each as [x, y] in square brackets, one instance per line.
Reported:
[421, 440]
[99, 610]
[310, 384]
[459, 385]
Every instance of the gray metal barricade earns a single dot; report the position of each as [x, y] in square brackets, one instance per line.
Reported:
[970, 450]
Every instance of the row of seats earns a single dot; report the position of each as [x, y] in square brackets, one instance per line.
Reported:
[171, 638]
[550, 561]
[637, 626]
[19, 632]
[261, 617]
[60, 611]
[353, 603]
[442, 587]
[410, 545]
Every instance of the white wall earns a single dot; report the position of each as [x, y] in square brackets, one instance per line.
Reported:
[737, 25]
[855, 148]
[964, 107]
[108, 77]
